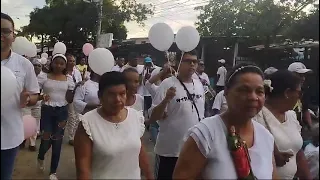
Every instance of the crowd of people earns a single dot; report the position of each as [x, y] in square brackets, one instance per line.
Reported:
[105, 117]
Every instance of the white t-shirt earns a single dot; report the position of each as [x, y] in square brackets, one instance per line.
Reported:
[152, 88]
[220, 102]
[156, 71]
[144, 91]
[203, 76]
[116, 146]
[139, 68]
[222, 72]
[56, 90]
[87, 93]
[139, 103]
[181, 115]
[116, 68]
[76, 75]
[210, 136]
[287, 138]
[12, 133]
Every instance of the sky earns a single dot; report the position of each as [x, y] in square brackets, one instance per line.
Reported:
[176, 13]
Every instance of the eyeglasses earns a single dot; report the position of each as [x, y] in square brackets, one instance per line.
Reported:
[189, 61]
[5, 32]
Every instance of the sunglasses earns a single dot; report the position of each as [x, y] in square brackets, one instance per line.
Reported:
[6, 32]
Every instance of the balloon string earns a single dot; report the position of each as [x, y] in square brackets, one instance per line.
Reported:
[168, 60]
[180, 63]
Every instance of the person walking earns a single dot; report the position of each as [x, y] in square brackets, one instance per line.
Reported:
[26, 94]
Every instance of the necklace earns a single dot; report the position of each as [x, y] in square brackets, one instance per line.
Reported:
[115, 124]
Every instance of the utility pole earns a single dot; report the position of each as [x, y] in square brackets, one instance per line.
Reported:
[99, 6]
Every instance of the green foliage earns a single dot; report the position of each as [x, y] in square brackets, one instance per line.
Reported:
[261, 19]
[74, 21]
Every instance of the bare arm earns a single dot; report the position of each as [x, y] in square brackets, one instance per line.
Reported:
[33, 99]
[144, 162]
[190, 163]
[274, 172]
[155, 78]
[303, 171]
[158, 111]
[83, 153]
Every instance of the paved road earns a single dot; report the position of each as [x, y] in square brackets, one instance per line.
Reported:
[25, 165]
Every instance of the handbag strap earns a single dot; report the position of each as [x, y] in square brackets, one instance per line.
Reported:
[190, 98]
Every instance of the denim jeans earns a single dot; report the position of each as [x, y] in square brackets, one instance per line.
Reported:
[52, 125]
[8, 157]
[154, 130]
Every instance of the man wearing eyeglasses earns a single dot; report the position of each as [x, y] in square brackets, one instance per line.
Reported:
[178, 105]
[26, 94]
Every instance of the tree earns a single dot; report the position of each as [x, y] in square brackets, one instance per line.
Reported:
[263, 19]
[306, 28]
[74, 21]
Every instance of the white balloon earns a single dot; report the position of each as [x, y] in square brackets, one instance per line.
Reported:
[9, 84]
[59, 48]
[31, 50]
[44, 55]
[101, 60]
[20, 45]
[43, 60]
[161, 36]
[187, 38]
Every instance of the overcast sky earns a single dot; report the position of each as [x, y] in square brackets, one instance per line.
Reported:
[176, 13]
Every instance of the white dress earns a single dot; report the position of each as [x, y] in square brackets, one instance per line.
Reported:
[116, 147]
[286, 136]
[210, 136]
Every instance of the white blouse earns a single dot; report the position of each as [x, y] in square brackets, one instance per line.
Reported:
[87, 93]
[56, 90]
[210, 136]
[116, 146]
[139, 103]
[287, 136]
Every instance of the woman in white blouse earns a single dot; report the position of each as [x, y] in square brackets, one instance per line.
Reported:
[86, 96]
[57, 88]
[206, 154]
[107, 142]
[283, 89]
[134, 100]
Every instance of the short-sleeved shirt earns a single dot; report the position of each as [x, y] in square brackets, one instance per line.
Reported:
[222, 72]
[287, 138]
[56, 90]
[82, 68]
[181, 115]
[116, 146]
[138, 103]
[116, 68]
[12, 133]
[202, 76]
[86, 94]
[220, 102]
[210, 136]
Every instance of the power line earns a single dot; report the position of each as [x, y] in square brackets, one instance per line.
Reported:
[198, 3]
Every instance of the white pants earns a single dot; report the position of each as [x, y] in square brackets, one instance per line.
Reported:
[34, 111]
[73, 121]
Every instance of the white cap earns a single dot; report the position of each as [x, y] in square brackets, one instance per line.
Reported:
[298, 67]
[270, 70]
[222, 61]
